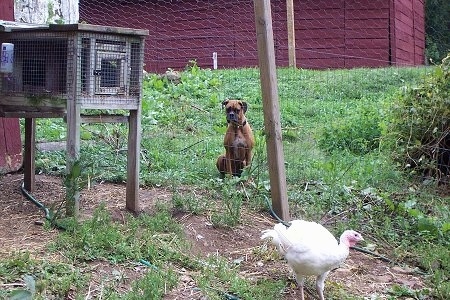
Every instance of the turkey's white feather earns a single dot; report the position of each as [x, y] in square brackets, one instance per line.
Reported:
[310, 249]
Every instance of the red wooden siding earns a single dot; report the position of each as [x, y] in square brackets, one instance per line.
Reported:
[329, 34]
[10, 146]
[10, 142]
[409, 32]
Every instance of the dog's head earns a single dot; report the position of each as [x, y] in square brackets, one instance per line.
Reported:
[235, 110]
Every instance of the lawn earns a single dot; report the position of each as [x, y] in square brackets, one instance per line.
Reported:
[340, 171]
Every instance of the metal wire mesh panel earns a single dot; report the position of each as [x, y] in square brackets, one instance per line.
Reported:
[110, 70]
[328, 34]
[184, 30]
[337, 35]
[98, 67]
[39, 74]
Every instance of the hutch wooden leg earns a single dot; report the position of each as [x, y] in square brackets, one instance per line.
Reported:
[29, 154]
[134, 141]
[73, 154]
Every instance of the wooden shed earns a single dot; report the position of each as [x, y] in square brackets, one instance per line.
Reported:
[60, 70]
[329, 34]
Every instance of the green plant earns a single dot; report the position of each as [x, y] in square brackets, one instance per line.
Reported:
[419, 122]
[219, 279]
[398, 291]
[24, 294]
[43, 278]
[151, 286]
[190, 202]
[358, 132]
[229, 211]
[437, 14]
[351, 186]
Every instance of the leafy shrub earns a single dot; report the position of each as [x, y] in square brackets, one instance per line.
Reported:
[172, 102]
[359, 132]
[418, 127]
[437, 14]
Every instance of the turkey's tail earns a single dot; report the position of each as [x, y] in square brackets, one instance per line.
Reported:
[279, 237]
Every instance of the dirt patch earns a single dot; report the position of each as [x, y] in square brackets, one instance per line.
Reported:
[361, 275]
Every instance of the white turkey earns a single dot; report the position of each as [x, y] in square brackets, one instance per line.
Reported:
[310, 249]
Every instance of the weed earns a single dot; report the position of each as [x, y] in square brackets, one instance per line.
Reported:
[339, 169]
[42, 278]
[220, 279]
[418, 125]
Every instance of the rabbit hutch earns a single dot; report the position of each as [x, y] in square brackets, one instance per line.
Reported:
[62, 70]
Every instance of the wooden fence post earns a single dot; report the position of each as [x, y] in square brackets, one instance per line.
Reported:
[291, 33]
[272, 124]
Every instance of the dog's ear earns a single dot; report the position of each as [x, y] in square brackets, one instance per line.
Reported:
[224, 103]
[244, 106]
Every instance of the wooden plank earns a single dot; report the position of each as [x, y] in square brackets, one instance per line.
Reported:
[405, 46]
[319, 4]
[185, 43]
[245, 62]
[30, 114]
[317, 14]
[382, 43]
[321, 43]
[320, 33]
[368, 33]
[97, 29]
[406, 18]
[103, 119]
[404, 57]
[404, 38]
[272, 123]
[41, 101]
[377, 54]
[404, 6]
[307, 24]
[355, 24]
[305, 54]
[323, 63]
[364, 63]
[368, 4]
[362, 14]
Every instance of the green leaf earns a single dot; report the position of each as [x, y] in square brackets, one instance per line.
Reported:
[445, 227]
[415, 213]
[427, 225]
[30, 283]
[21, 295]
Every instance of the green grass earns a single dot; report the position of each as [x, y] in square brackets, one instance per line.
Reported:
[336, 167]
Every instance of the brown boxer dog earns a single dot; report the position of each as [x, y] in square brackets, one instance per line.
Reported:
[238, 140]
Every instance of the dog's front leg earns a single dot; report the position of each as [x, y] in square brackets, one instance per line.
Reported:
[229, 161]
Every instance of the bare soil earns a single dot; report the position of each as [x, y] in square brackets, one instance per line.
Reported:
[361, 275]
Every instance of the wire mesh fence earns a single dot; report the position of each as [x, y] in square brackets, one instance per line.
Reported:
[328, 34]
[335, 41]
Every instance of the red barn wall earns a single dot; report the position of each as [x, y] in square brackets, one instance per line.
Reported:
[329, 34]
[408, 47]
[10, 141]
